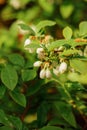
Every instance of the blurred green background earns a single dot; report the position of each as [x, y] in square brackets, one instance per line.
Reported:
[31, 12]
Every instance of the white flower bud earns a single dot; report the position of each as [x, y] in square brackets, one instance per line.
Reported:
[39, 50]
[37, 64]
[55, 71]
[27, 42]
[48, 73]
[41, 56]
[42, 73]
[62, 67]
[60, 48]
[31, 50]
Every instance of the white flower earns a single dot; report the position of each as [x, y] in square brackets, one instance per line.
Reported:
[42, 73]
[37, 64]
[56, 71]
[62, 67]
[27, 42]
[39, 50]
[41, 56]
[48, 73]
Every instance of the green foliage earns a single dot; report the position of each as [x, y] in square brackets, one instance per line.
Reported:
[67, 33]
[28, 74]
[16, 59]
[9, 77]
[51, 128]
[43, 24]
[66, 10]
[18, 98]
[66, 112]
[43, 84]
[82, 28]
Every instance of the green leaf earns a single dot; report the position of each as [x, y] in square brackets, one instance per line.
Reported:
[28, 74]
[27, 28]
[16, 59]
[66, 112]
[36, 87]
[34, 45]
[44, 23]
[66, 10]
[42, 118]
[57, 121]
[16, 122]
[79, 65]
[67, 32]
[46, 5]
[51, 128]
[58, 43]
[75, 77]
[2, 91]
[69, 52]
[5, 128]
[83, 28]
[3, 119]
[9, 77]
[18, 98]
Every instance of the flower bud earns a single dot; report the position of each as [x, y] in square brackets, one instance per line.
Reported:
[48, 73]
[41, 56]
[62, 67]
[42, 73]
[39, 50]
[55, 71]
[27, 42]
[37, 64]
[31, 50]
[60, 48]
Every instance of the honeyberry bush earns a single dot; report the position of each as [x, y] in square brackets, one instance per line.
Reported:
[44, 87]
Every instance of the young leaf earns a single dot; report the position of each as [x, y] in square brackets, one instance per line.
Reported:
[75, 77]
[83, 28]
[56, 44]
[66, 10]
[9, 77]
[28, 74]
[43, 24]
[79, 65]
[69, 52]
[46, 5]
[34, 45]
[16, 59]
[67, 32]
[66, 112]
[18, 98]
[51, 128]
[27, 28]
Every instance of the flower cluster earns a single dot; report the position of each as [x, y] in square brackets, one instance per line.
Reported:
[49, 62]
